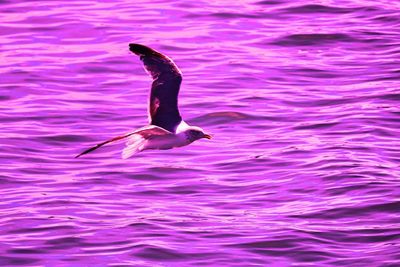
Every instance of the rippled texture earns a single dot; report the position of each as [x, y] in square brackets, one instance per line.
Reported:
[302, 98]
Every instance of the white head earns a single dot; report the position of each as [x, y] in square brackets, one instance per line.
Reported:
[194, 133]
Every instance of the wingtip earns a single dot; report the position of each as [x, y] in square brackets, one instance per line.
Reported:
[77, 156]
[140, 50]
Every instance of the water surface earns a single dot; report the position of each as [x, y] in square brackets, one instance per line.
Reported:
[302, 98]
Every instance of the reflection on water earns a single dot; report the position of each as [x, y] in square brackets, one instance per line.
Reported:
[301, 98]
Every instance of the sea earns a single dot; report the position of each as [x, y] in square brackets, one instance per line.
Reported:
[302, 99]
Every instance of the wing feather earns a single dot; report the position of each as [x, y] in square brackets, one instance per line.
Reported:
[167, 78]
[140, 134]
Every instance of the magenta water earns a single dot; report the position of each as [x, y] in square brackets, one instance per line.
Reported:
[302, 98]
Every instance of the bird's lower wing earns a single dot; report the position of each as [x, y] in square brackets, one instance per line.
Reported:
[141, 135]
[102, 144]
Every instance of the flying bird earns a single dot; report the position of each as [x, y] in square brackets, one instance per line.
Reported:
[166, 128]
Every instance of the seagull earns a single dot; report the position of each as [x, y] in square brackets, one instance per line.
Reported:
[166, 128]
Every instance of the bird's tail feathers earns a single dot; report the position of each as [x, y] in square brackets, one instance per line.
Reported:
[134, 144]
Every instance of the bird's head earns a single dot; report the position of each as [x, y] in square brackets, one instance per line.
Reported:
[195, 133]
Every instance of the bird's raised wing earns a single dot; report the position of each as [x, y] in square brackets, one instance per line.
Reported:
[167, 78]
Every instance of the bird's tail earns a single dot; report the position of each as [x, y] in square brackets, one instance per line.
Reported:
[134, 144]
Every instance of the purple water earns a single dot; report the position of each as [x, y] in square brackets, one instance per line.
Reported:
[302, 98]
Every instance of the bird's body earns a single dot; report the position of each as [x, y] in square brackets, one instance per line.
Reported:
[167, 141]
[166, 129]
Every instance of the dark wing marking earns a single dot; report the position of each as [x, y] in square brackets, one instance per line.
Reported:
[167, 78]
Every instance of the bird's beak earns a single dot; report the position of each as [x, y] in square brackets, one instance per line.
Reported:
[207, 136]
